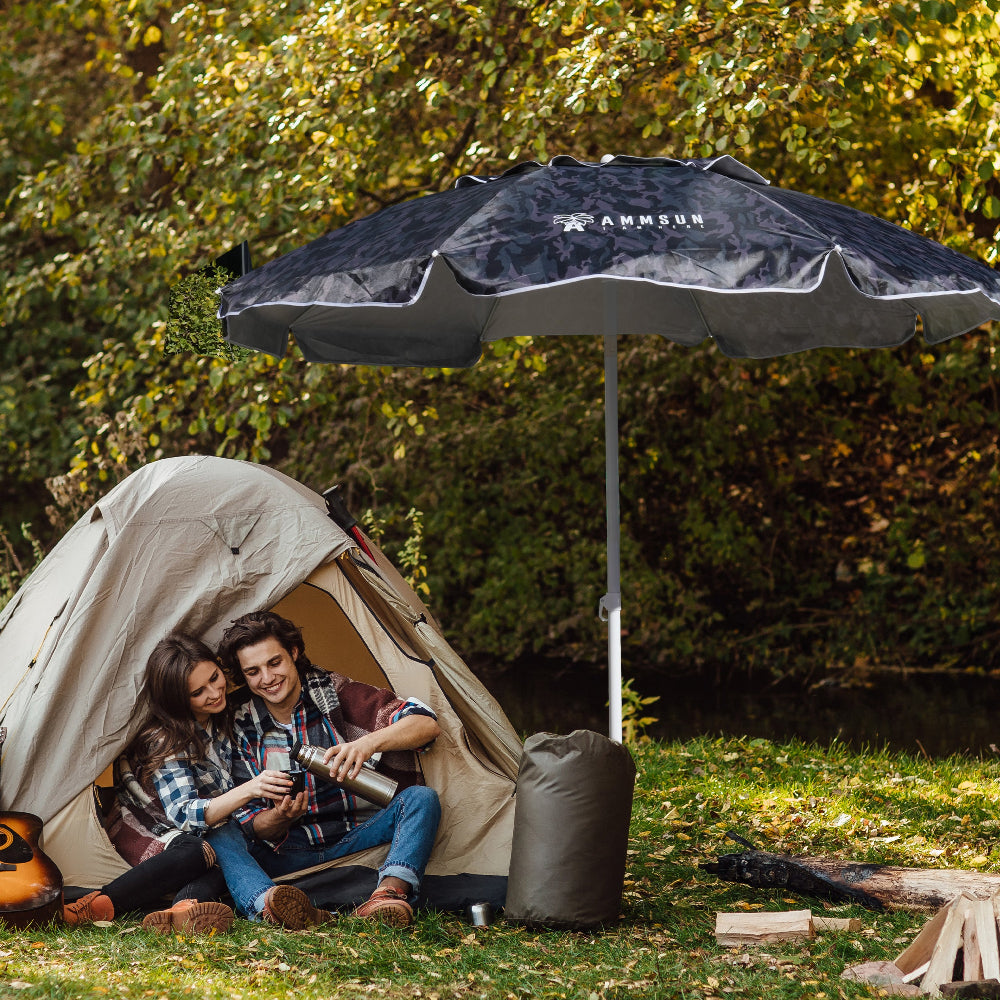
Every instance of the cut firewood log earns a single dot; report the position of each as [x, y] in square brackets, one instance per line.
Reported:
[972, 965]
[917, 973]
[988, 989]
[962, 934]
[918, 954]
[733, 930]
[942, 967]
[821, 924]
[871, 885]
[986, 932]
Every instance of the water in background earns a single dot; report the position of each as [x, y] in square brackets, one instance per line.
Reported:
[934, 714]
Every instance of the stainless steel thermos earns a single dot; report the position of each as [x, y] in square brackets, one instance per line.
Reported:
[369, 784]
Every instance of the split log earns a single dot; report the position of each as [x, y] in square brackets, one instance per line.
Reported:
[848, 924]
[983, 989]
[942, 967]
[734, 930]
[873, 886]
[917, 956]
[972, 960]
[986, 939]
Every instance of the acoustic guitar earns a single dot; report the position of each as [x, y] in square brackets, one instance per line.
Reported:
[31, 886]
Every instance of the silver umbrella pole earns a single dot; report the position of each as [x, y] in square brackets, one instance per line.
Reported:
[611, 603]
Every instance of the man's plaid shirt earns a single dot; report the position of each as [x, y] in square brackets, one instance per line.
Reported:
[186, 786]
[332, 709]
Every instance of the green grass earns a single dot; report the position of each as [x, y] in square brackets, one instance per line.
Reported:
[795, 798]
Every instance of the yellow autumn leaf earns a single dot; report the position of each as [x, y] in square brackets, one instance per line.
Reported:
[60, 212]
[151, 35]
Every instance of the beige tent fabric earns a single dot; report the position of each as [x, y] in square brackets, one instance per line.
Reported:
[482, 715]
[345, 613]
[75, 840]
[185, 542]
[194, 543]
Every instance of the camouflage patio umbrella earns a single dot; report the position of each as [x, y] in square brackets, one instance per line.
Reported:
[687, 249]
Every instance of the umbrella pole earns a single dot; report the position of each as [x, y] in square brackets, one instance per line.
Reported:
[611, 603]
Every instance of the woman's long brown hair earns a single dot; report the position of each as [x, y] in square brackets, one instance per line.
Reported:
[172, 730]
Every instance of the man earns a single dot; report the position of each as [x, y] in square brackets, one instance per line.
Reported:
[293, 701]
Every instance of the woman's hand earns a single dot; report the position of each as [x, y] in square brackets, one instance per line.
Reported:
[273, 785]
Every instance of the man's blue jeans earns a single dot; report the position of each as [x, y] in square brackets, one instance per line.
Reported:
[247, 882]
[408, 824]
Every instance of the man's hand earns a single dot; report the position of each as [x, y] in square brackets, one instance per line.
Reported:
[345, 759]
[409, 733]
[273, 824]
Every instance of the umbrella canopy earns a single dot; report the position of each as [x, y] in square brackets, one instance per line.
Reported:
[687, 249]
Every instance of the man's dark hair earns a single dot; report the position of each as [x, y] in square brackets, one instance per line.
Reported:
[250, 629]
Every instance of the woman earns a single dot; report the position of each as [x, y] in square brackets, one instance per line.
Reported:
[185, 752]
[163, 858]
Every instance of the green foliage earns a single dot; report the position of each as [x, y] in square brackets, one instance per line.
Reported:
[138, 139]
[13, 570]
[634, 720]
[408, 556]
[192, 324]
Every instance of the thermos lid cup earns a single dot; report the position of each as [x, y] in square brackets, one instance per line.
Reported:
[480, 914]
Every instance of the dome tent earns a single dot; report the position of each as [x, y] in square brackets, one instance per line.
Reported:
[193, 543]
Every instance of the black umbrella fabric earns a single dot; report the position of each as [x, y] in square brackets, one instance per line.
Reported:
[687, 249]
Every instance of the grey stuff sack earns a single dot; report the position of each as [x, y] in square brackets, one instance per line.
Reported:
[571, 822]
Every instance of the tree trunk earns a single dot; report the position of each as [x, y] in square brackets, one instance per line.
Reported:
[871, 885]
